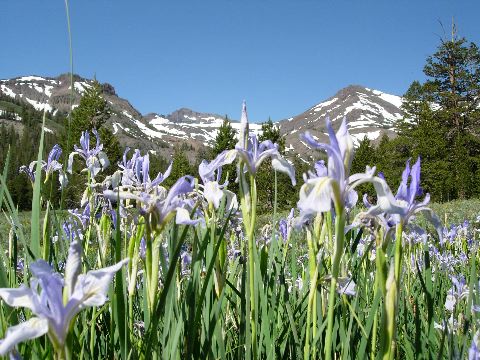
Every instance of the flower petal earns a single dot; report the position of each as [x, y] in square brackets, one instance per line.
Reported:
[212, 193]
[386, 202]
[91, 289]
[22, 297]
[282, 165]
[70, 162]
[27, 330]
[316, 196]
[206, 169]
[102, 157]
[182, 217]
[402, 192]
[414, 189]
[73, 266]
[345, 144]
[433, 219]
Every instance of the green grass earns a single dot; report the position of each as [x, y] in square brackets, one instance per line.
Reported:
[457, 211]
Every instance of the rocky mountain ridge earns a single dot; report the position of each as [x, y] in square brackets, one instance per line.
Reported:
[369, 112]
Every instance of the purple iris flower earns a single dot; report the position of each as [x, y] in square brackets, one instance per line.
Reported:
[285, 225]
[346, 286]
[71, 231]
[95, 159]
[384, 219]
[29, 171]
[458, 291]
[20, 265]
[136, 171]
[449, 234]
[332, 183]
[257, 152]
[83, 216]
[445, 261]
[253, 153]
[403, 207]
[45, 298]
[474, 351]
[244, 131]
[210, 173]
[186, 260]
[49, 166]
[160, 205]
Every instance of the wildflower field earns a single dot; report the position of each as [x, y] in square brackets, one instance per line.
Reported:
[141, 271]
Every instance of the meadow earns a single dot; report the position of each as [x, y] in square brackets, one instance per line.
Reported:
[140, 271]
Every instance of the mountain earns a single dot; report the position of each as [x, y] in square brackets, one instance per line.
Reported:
[369, 113]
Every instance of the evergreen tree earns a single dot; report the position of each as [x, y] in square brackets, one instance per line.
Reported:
[92, 113]
[181, 167]
[226, 140]
[365, 154]
[391, 155]
[272, 132]
[443, 118]
[226, 137]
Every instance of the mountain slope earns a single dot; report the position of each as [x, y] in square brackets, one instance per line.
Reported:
[369, 112]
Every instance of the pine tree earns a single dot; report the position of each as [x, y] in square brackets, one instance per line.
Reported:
[365, 154]
[226, 137]
[272, 132]
[92, 113]
[226, 140]
[181, 167]
[443, 118]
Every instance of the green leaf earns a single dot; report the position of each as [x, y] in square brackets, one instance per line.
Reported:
[35, 221]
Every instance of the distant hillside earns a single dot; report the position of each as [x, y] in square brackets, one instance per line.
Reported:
[369, 112]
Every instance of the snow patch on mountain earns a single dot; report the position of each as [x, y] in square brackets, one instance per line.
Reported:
[31, 78]
[358, 137]
[16, 116]
[81, 86]
[38, 105]
[392, 99]
[7, 91]
[324, 104]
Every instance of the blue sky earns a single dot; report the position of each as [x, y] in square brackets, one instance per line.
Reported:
[281, 56]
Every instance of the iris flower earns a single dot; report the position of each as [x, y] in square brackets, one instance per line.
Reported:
[474, 351]
[403, 207]
[95, 158]
[253, 153]
[49, 166]
[256, 153]
[56, 301]
[458, 291]
[210, 173]
[332, 183]
[285, 225]
[244, 130]
[161, 205]
[136, 171]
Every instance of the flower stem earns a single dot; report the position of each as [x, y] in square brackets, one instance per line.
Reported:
[337, 256]
[251, 262]
[398, 268]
